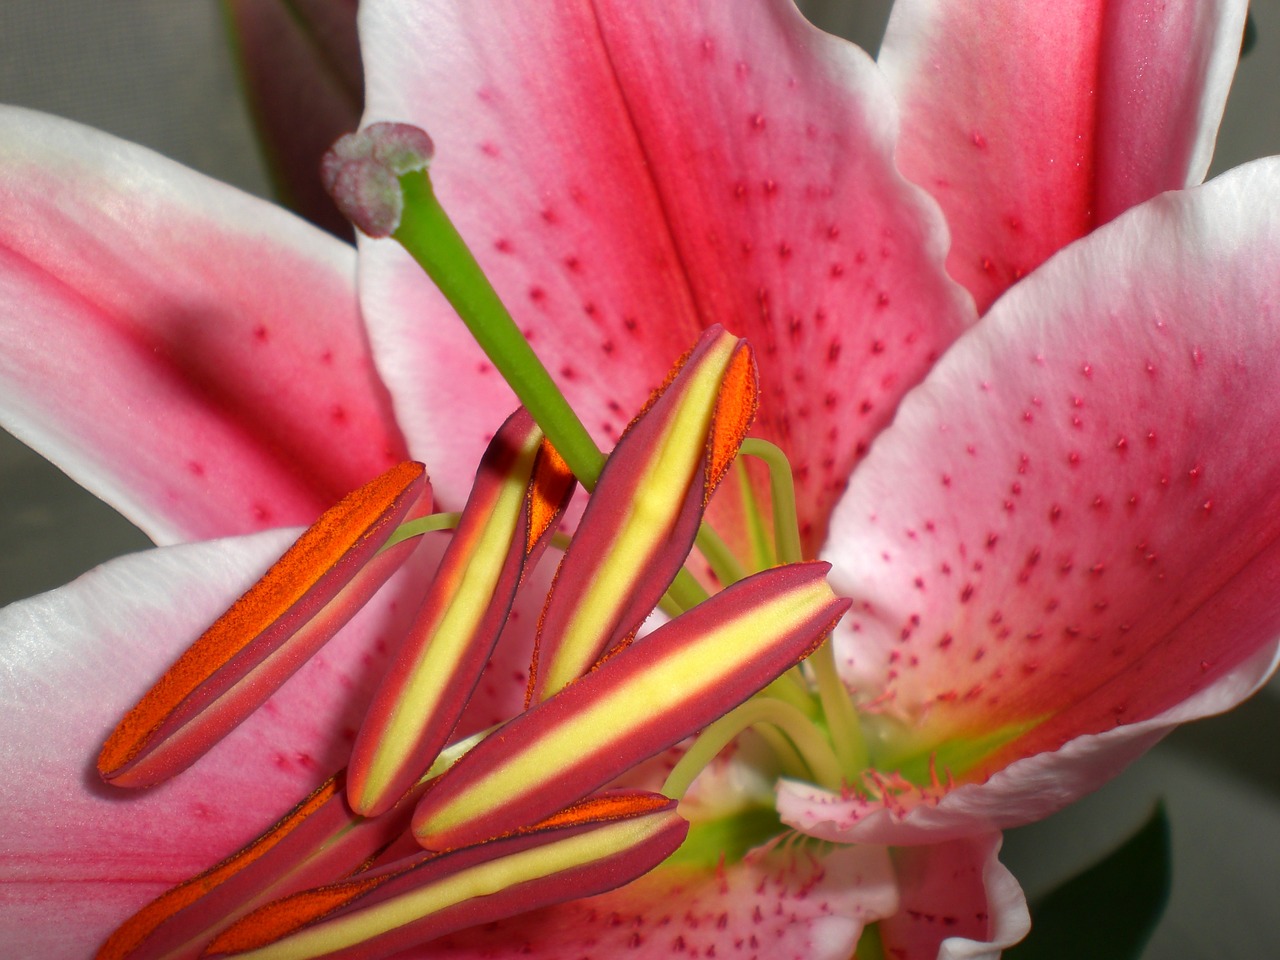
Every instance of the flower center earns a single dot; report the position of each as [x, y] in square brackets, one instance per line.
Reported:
[425, 832]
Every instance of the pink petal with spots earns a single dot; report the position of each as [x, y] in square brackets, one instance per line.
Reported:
[785, 904]
[72, 661]
[1025, 791]
[958, 903]
[1073, 525]
[192, 355]
[628, 173]
[300, 68]
[1034, 123]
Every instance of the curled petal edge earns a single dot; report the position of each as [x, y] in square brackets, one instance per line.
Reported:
[1025, 791]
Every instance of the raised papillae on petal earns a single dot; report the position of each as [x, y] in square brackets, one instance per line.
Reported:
[645, 511]
[596, 845]
[652, 694]
[319, 583]
[521, 488]
[1031, 124]
[1073, 525]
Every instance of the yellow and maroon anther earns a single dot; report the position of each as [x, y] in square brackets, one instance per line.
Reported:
[298, 605]
[319, 841]
[636, 703]
[593, 847]
[521, 488]
[640, 523]
[316, 842]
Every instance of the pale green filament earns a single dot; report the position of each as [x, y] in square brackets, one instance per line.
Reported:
[684, 593]
[842, 718]
[416, 528]
[788, 757]
[762, 554]
[809, 742]
[782, 491]
[791, 687]
[718, 555]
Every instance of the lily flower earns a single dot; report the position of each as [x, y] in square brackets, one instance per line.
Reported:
[1076, 494]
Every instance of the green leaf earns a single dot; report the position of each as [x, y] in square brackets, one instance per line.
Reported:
[1109, 911]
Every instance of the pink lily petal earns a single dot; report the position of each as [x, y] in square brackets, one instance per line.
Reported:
[958, 902]
[72, 662]
[1032, 124]
[240, 392]
[783, 902]
[628, 173]
[1072, 526]
[1025, 791]
[300, 65]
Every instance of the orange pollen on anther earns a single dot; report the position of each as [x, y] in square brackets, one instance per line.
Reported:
[282, 917]
[551, 478]
[604, 807]
[735, 409]
[338, 530]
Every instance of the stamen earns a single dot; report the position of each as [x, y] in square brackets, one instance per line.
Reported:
[431, 523]
[645, 513]
[719, 557]
[792, 688]
[588, 849]
[842, 717]
[302, 601]
[762, 552]
[507, 829]
[632, 706]
[317, 842]
[520, 491]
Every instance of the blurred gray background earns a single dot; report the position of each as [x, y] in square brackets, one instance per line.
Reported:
[159, 72]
